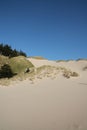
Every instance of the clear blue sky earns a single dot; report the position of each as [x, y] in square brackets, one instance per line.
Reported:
[54, 29]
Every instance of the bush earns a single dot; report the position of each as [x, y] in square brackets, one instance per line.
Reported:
[19, 64]
[74, 74]
[69, 74]
[21, 53]
[85, 68]
[5, 71]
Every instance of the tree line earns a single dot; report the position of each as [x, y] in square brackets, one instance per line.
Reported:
[6, 50]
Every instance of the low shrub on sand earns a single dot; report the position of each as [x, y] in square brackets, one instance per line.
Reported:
[69, 74]
[19, 64]
[74, 74]
[84, 68]
[6, 72]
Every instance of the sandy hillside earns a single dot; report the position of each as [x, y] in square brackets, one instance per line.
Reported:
[49, 103]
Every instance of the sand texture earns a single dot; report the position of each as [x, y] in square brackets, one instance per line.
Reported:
[50, 102]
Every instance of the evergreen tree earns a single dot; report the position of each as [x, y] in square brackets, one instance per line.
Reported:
[1, 48]
[22, 53]
[6, 50]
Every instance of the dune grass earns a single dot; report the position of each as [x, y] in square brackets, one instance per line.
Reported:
[69, 73]
[65, 60]
[85, 68]
[38, 57]
[51, 70]
[81, 59]
[3, 60]
[19, 64]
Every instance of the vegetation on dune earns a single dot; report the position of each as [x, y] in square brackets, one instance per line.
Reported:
[38, 57]
[12, 62]
[84, 68]
[19, 64]
[14, 66]
[5, 71]
[6, 50]
[68, 74]
[49, 70]
[61, 61]
[64, 60]
[3, 60]
[81, 59]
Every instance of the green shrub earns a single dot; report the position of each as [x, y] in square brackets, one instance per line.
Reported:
[5, 71]
[19, 64]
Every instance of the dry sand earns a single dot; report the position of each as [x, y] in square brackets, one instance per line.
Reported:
[59, 104]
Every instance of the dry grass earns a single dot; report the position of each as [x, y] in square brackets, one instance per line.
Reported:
[61, 61]
[84, 68]
[74, 74]
[50, 71]
[38, 57]
[40, 73]
[64, 60]
[3, 60]
[5, 82]
[68, 74]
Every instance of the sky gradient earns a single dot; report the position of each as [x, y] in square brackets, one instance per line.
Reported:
[54, 29]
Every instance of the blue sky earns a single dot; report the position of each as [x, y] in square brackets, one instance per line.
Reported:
[54, 29]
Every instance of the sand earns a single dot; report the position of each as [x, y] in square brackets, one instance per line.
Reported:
[48, 104]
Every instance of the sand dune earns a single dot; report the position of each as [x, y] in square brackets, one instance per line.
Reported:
[48, 104]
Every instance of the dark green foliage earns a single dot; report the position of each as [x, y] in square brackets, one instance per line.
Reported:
[21, 53]
[14, 53]
[1, 48]
[6, 50]
[6, 72]
[19, 64]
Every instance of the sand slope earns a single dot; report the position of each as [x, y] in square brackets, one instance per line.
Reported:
[59, 104]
